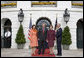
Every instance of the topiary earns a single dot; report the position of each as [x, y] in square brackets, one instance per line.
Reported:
[66, 36]
[20, 38]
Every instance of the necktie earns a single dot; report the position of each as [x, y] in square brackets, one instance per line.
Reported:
[43, 30]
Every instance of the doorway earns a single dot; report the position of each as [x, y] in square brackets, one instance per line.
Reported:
[41, 20]
[39, 23]
[80, 34]
[7, 25]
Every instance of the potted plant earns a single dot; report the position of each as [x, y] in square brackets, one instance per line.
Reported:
[20, 38]
[66, 38]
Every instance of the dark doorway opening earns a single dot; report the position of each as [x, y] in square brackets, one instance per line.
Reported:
[7, 25]
[80, 33]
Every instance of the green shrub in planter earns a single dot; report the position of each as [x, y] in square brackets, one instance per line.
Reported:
[20, 38]
[66, 37]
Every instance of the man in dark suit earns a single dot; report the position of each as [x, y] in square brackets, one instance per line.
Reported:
[42, 34]
[7, 39]
[59, 39]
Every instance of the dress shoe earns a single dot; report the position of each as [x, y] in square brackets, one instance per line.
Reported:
[59, 54]
[42, 53]
[39, 53]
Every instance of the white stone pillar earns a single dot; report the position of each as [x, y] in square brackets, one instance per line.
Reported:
[2, 30]
[72, 26]
[15, 27]
[73, 38]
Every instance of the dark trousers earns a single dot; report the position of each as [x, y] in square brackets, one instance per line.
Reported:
[7, 43]
[59, 50]
[41, 46]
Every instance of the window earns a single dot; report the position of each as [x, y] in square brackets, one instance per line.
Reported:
[77, 4]
[44, 3]
[8, 4]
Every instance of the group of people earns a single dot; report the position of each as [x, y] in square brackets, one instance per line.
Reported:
[42, 35]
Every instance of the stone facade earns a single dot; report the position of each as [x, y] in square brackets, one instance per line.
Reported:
[37, 12]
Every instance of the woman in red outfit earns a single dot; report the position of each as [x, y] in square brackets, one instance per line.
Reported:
[50, 38]
[33, 39]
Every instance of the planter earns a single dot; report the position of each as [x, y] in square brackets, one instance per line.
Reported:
[20, 46]
[66, 47]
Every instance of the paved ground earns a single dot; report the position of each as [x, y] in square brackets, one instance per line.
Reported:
[27, 53]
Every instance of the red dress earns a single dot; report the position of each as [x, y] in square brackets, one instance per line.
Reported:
[51, 37]
[33, 38]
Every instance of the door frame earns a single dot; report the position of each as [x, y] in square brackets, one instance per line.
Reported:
[43, 18]
[4, 20]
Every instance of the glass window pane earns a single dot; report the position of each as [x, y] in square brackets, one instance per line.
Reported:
[77, 4]
[8, 4]
[44, 3]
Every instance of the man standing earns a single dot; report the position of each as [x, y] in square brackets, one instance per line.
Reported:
[7, 38]
[59, 39]
[42, 34]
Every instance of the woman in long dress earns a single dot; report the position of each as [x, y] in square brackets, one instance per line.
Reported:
[33, 39]
[51, 38]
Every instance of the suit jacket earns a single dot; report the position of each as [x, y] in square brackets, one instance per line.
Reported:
[59, 34]
[42, 36]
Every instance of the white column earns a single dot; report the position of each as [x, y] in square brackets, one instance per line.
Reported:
[14, 27]
[2, 30]
[72, 26]
[73, 38]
